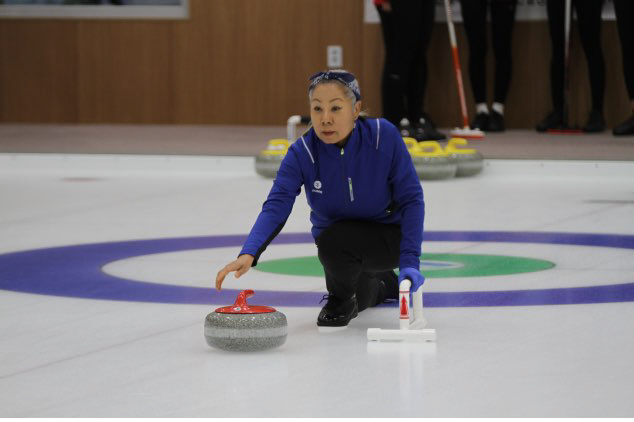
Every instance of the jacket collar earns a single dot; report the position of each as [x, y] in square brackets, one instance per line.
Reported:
[334, 149]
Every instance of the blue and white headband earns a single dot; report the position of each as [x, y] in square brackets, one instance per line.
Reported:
[341, 76]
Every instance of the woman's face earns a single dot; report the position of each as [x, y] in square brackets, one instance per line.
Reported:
[332, 112]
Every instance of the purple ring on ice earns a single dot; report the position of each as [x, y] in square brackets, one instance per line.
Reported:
[75, 271]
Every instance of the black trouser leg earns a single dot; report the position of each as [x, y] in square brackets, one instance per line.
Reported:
[589, 19]
[556, 10]
[392, 90]
[354, 253]
[589, 24]
[474, 17]
[624, 10]
[502, 21]
[406, 35]
[424, 22]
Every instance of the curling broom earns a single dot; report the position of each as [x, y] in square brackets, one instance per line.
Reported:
[465, 131]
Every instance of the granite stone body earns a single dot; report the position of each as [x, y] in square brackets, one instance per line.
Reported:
[468, 164]
[268, 165]
[434, 168]
[245, 332]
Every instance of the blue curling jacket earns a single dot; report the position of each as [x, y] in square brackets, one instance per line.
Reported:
[371, 178]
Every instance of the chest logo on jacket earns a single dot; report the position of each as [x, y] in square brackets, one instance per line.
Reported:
[317, 186]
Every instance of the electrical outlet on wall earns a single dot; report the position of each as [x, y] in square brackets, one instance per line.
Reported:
[334, 54]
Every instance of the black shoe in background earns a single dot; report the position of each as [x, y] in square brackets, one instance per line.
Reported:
[496, 122]
[337, 312]
[425, 130]
[554, 120]
[595, 123]
[481, 122]
[625, 128]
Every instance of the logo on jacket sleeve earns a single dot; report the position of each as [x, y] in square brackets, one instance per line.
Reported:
[317, 186]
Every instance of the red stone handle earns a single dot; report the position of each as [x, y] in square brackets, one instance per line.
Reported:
[241, 300]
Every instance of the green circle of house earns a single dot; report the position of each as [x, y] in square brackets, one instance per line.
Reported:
[433, 265]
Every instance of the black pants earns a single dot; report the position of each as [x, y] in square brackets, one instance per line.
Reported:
[406, 35]
[474, 16]
[356, 255]
[624, 10]
[589, 24]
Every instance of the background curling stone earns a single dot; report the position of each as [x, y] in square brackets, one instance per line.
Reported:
[469, 161]
[244, 328]
[268, 161]
[430, 160]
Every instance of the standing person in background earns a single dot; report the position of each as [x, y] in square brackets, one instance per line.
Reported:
[624, 10]
[474, 16]
[589, 24]
[407, 26]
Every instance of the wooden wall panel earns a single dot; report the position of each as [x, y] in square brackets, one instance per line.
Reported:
[247, 62]
[124, 72]
[251, 65]
[38, 61]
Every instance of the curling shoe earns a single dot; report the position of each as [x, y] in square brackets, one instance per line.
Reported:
[496, 122]
[554, 120]
[595, 123]
[337, 312]
[625, 128]
[481, 122]
[425, 130]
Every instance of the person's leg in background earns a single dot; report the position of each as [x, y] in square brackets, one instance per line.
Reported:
[502, 22]
[589, 19]
[358, 259]
[556, 14]
[474, 16]
[401, 34]
[624, 10]
[392, 89]
[422, 18]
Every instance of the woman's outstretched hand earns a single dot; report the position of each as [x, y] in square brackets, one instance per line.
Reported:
[240, 266]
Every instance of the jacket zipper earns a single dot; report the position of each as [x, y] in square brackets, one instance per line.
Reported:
[349, 178]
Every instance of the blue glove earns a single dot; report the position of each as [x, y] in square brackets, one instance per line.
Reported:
[414, 276]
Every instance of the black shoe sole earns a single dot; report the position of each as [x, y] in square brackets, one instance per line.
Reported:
[338, 323]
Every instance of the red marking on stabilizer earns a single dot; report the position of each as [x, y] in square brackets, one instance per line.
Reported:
[404, 309]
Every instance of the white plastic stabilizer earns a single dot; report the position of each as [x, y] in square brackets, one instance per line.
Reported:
[412, 327]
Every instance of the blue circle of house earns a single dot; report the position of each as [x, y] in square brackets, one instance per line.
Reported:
[75, 271]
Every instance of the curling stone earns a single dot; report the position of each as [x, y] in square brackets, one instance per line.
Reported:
[469, 161]
[245, 328]
[268, 161]
[430, 160]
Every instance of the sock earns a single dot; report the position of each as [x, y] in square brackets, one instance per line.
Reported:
[482, 108]
[498, 107]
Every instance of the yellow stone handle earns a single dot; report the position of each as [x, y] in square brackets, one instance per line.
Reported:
[410, 143]
[276, 147]
[452, 147]
[430, 149]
